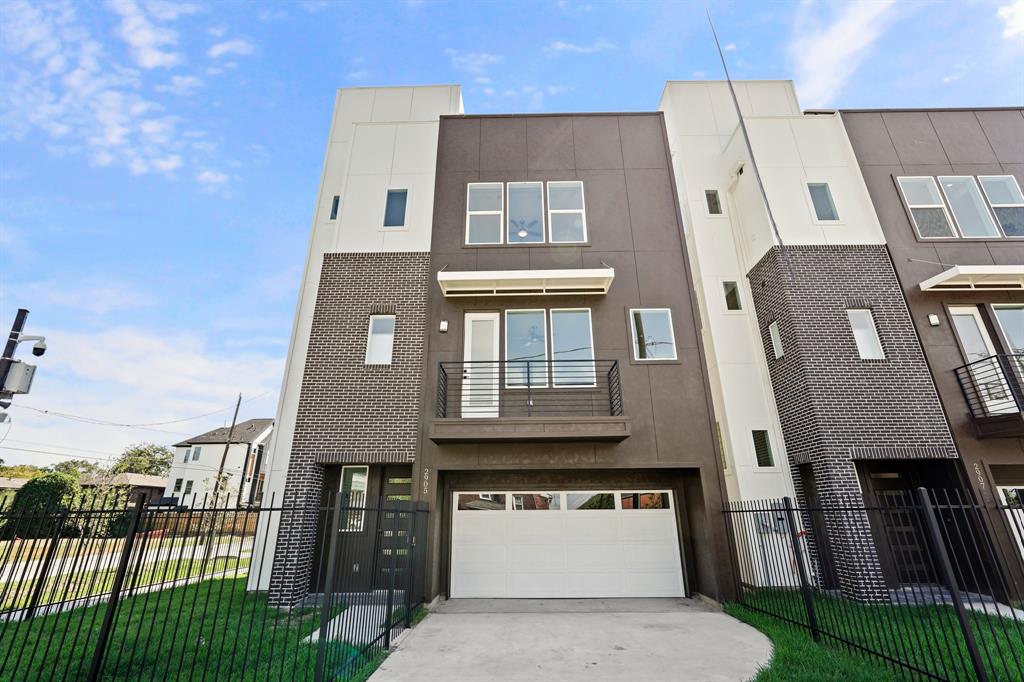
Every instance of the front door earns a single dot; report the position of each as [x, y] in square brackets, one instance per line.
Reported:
[480, 371]
[976, 345]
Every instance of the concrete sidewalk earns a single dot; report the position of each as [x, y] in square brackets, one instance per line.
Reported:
[577, 639]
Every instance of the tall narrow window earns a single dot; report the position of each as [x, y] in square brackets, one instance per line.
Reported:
[195, 453]
[926, 207]
[1007, 202]
[525, 212]
[862, 322]
[188, 453]
[188, 488]
[821, 198]
[353, 491]
[731, 291]
[1010, 317]
[969, 209]
[713, 202]
[380, 339]
[653, 338]
[484, 202]
[763, 449]
[572, 348]
[526, 348]
[567, 216]
[394, 209]
[335, 202]
[177, 485]
[776, 339]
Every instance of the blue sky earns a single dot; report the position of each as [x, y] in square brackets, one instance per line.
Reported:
[159, 160]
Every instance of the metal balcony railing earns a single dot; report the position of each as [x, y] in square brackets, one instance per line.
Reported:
[993, 385]
[529, 388]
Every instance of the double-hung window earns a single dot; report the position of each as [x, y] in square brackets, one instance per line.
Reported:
[177, 485]
[188, 488]
[380, 339]
[969, 209]
[572, 348]
[927, 210]
[525, 212]
[1007, 202]
[567, 217]
[653, 338]
[484, 210]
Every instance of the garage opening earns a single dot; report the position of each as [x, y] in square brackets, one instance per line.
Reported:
[565, 544]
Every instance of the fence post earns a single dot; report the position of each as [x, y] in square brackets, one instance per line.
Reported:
[325, 606]
[389, 603]
[805, 584]
[935, 536]
[51, 551]
[410, 562]
[115, 589]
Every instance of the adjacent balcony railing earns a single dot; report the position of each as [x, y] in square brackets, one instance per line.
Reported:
[994, 390]
[529, 400]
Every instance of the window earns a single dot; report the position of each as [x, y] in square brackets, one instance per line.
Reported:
[588, 501]
[762, 449]
[484, 201]
[969, 209]
[713, 202]
[1007, 202]
[334, 207]
[525, 212]
[776, 338]
[353, 492]
[572, 348]
[821, 198]
[188, 488]
[478, 502]
[177, 484]
[188, 451]
[567, 219]
[526, 348]
[645, 500]
[536, 501]
[394, 210]
[380, 339]
[1011, 322]
[195, 453]
[732, 295]
[927, 209]
[721, 446]
[864, 333]
[652, 334]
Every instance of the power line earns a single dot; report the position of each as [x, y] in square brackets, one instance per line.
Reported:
[102, 459]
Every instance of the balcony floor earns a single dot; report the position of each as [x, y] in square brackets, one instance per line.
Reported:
[530, 429]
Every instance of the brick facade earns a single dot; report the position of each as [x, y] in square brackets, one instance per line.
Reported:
[351, 412]
[836, 408]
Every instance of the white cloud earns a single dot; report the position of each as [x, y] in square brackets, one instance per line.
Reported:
[1013, 16]
[182, 86]
[211, 178]
[361, 74]
[560, 46]
[163, 10]
[482, 80]
[475, 63]
[146, 40]
[233, 46]
[826, 55]
[92, 294]
[729, 47]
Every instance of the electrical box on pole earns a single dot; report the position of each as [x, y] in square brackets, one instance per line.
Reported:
[19, 378]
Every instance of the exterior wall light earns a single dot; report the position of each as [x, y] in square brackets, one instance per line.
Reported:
[443, 327]
[933, 319]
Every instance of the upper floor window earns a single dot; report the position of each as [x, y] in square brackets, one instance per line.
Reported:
[195, 453]
[571, 347]
[862, 322]
[525, 212]
[567, 218]
[188, 452]
[484, 209]
[380, 339]
[188, 487]
[653, 338]
[1007, 202]
[763, 449]
[968, 207]
[731, 291]
[177, 484]
[821, 199]
[927, 210]
[335, 203]
[776, 339]
[713, 203]
[394, 210]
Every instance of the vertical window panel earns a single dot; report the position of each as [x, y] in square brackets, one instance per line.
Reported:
[862, 322]
[484, 210]
[968, 207]
[380, 339]
[572, 348]
[526, 346]
[1007, 202]
[567, 216]
[525, 212]
[927, 210]
[394, 209]
[653, 337]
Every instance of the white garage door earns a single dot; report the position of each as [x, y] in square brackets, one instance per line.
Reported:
[547, 544]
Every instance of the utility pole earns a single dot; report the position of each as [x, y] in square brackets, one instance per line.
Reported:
[224, 457]
[7, 359]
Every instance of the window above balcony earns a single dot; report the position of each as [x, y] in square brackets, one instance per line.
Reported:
[525, 282]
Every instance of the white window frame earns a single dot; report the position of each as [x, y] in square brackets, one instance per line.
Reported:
[188, 453]
[188, 487]
[500, 213]
[196, 452]
[581, 211]
[994, 206]
[543, 211]
[551, 342]
[635, 345]
[369, 337]
[874, 330]
[721, 203]
[810, 202]
[347, 526]
[547, 343]
[951, 212]
[775, 336]
[178, 484]
[405, 216]
[774, 466]
[913, 221]
[739, 292]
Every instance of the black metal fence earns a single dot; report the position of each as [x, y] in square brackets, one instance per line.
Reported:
[993, 386]
[133, 591]
[529, 388]
[928, 582]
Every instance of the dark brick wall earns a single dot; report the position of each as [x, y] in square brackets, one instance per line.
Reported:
[350, 412]
[834, 407]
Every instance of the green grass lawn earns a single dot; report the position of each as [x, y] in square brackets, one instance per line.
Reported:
[212, 630]
[927, 637]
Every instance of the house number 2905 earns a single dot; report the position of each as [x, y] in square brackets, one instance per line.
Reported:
[426, 481]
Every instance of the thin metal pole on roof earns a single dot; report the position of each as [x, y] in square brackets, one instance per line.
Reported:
[224, 457]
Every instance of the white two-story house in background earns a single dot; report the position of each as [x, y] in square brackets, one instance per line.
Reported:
[199, 460]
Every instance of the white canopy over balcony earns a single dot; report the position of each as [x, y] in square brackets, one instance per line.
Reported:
[526, 282]
[977, 278]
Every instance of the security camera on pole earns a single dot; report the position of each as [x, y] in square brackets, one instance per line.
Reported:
[16, 376]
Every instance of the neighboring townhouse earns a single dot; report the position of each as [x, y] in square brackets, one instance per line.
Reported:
[852, 390]
[946, 184]
[199, 461]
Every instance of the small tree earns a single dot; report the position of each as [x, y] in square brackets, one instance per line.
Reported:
[78, 468]
[36, 506]
[144, 458]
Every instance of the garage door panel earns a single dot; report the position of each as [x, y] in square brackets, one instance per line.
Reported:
[595, 584]
[481, 558]
[539, 527]
[583, 557]
[583, 527]
[642, 526]
[654, 584]
[480, 585]
[536, 557]
[650, 556]
[537, 584]
[482, 528]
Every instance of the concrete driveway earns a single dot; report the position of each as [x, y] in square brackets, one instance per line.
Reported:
[483, 640]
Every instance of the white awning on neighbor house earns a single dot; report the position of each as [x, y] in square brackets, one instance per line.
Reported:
[977, 278]
[526, 282]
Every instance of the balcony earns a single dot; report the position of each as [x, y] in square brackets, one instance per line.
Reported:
[529, 400]
[993, 390]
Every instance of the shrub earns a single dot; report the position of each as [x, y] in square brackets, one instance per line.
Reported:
[34, 511]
